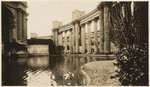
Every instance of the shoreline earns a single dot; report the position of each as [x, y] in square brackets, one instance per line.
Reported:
[98, 73]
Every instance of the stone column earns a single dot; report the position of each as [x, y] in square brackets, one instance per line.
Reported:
[101, 27]
[83, 38]
[65, 43]
[53, 34]
[24, 26]
[77, 62]
[88, 59]
[25, 32]
[95, 36]
[56, 37]
[73, 37]
[77, 35]
[70, 41]
[19, 24]
[61, 39]
[106, 28]
[13, 29]
[89, 37]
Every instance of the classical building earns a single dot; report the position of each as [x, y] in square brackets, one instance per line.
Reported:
[39, 45]
[14, 25]
[75, 39]
[34, 35]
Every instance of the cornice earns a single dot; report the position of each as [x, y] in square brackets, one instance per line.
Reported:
[65, 27]
[90, 16]
[16, 5]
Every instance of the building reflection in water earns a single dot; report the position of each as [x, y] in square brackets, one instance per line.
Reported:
[44, 71]
[38, 62]
[40, 78]
[76, 62]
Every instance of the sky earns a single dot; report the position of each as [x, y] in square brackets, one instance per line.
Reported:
[43, 13]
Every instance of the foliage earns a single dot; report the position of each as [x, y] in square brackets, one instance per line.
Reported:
[127, 34]
[132, 66]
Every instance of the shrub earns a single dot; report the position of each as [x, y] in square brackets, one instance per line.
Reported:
[133, 66]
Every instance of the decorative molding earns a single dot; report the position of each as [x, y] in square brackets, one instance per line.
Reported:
[95, 19]
[16, 5]
[65, 27]
[55, 29]
[94, 14]
[89, 22]
[90, 16]
[100, 6]
[107, 4]
[13, 11]
[83, 25]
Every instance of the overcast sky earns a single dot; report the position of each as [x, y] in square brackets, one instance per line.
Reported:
[43, 13]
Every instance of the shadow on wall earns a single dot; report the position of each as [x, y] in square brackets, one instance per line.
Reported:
[53, 49]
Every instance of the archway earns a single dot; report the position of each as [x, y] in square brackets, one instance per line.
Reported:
[67, 49]
[7, 29]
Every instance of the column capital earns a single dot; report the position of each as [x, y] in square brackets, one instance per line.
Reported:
[55, 29]
[72, 22]
[89, 22]
[70, 30]
[100, 6]
[96, 19]
[61, 32]
[83, 25]
[108, 4]
[75, 21]
[65, 31]
[26, 14]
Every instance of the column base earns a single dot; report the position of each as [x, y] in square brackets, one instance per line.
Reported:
[83, 53]
[96, 53]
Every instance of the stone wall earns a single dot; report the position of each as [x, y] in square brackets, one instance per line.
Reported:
[38, 49]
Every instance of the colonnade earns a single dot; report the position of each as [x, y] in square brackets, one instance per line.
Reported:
[102, 14]
[17, 22]
[22, 25]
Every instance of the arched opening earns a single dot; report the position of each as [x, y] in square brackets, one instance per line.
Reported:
[7, 16]
[92, 50]
[6, 20]
[67, 49]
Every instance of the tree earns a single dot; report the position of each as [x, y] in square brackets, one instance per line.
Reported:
[128, 31]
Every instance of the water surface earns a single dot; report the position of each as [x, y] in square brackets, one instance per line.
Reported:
[44, 71]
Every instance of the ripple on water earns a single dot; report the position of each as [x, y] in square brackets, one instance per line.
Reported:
[44, 71]
[40, 77]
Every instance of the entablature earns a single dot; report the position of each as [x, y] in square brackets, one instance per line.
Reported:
[65, 27]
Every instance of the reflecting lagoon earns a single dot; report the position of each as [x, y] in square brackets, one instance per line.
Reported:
[44, 71]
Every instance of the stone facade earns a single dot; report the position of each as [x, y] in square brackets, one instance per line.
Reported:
[77, 14]
[57, 24]
[14, 24]
[86, 42]
[39, 49]
[39, 46]
[16, 19]
[34, 35]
